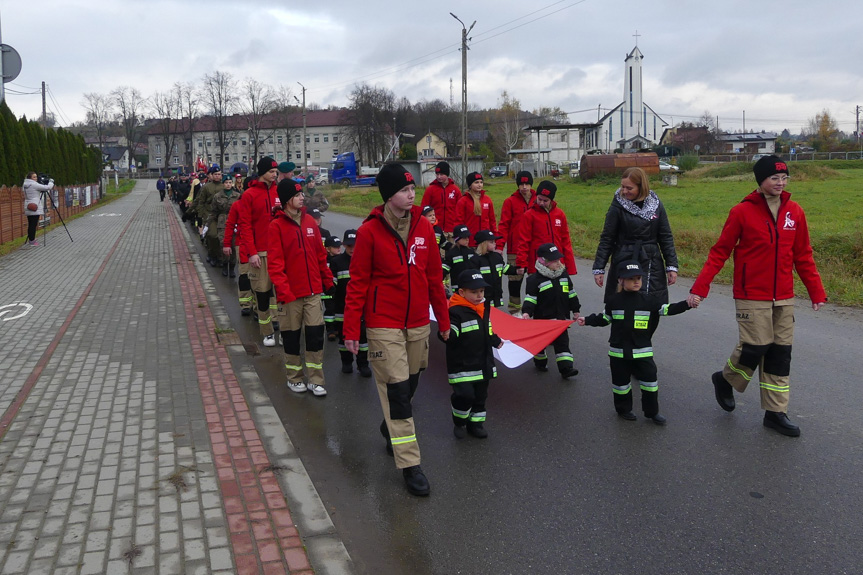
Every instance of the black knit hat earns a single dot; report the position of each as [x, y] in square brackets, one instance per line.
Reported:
[442, 168]
[768, 166]
[472, 177]
[391, 179]
[266, 164]
[524, 177]
[287, 189]
[547, 189]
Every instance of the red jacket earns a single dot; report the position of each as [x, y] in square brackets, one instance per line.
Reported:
[392, 283]
[443, 200]
[485, 221]
[296, 258]
[511, 214]
[231, 224]
[256, 209]
[765, 252]
[540, 227]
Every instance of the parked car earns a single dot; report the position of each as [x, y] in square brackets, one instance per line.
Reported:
[497, 172]
[757, 157]
[573, 169]
[665, 166]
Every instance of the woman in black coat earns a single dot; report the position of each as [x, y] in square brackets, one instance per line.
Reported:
[636, 227]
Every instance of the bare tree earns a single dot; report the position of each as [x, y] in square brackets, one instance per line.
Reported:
[822, 132]
[219, 92]
[441, 119]
[286, 110]
[370, 117]
[189, 110]
[551, 115]
[100, 111]
[257, 102]
[166, 107]
[507, 123]
[130, 108]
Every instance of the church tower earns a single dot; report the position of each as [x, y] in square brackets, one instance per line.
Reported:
[634, 121]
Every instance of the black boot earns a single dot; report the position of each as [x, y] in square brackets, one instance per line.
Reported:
[571, 372]
[365, 370]
[476, 429]
[627, 415]
[416, 481]
[779, 421]
[386, 433]
[723, 391]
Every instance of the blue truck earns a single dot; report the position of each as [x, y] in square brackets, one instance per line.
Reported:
[344, 171]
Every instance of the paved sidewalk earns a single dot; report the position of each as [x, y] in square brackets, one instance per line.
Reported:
[133, 439]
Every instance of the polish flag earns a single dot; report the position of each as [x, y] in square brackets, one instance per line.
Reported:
[522, 338]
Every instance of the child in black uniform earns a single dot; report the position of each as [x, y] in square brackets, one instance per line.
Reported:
[444, 244]
[549, 294]
[341, 268]
[633, 318]
[334, 249]
[469, 356]
[458, 258]
[492, 266]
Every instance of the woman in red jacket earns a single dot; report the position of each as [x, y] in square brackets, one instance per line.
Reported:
[475, 209]
[511, 214]
[769, 237]
[544, 223]
[297, 264]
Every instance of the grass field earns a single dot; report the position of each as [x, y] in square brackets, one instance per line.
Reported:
[830, 193]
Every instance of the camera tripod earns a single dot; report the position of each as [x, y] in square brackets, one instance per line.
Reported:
[56, 211]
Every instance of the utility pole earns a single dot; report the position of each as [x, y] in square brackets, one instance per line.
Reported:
[44, 117]
[305, 162]
[858, 129]
[464, 49]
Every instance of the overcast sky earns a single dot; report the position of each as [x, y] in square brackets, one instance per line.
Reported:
[778, 63]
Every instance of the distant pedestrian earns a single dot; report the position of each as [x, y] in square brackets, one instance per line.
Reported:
[333, 245]
[634, 317]
[476, 209]
[396, 275]
[340, 265]
[33, 204]
[511, 215]
[549, 294]
[637, 228]
[768, 235]
[469, 356]
[220, 206]
[231, 249]
[161, 187]
[318, 217]
[443, 243]
[457, 259]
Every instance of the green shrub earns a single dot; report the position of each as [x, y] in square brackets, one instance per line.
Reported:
[687, 163]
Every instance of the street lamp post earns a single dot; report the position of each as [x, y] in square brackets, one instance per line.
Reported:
[305, 162]
[464, 49]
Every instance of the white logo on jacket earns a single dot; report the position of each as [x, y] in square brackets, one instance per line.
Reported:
[557, 222]
[789, 223]
[310, 232]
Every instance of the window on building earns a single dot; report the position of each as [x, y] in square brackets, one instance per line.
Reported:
[243, 142]
[234, 142]
[245, 158]
[280, 156]
[158, 160]
[326, 137]
[308, 155]
[279, 140]
[317, 154]
[296, 139]
[298, 155]
[335, 138]
[563, 137]
[308, 139]
[209, 143]
[227, 158]
[200, 143]
[335, 151]
[176, 160]
[317, 138]
[175, 149]
[158, 148]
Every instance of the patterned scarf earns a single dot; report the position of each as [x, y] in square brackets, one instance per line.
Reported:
[648, 206]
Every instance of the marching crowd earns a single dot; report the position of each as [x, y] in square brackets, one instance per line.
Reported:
[371, 290]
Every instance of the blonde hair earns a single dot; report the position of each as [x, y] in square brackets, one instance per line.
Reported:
[638, 177]
[477, 203]
[482, 248]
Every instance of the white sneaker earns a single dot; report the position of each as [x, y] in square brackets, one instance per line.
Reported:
[318, 390]
[298, 387]
[270, 340]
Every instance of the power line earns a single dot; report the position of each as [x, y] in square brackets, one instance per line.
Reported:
[22, 86]
[57, 104]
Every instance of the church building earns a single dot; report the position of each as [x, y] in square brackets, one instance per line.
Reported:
[632, 124]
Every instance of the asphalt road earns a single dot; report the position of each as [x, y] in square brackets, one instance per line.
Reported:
[563, 486]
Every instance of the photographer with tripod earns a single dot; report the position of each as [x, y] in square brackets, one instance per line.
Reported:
[33, 204]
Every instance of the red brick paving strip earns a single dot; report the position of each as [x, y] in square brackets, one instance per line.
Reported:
[263, 535]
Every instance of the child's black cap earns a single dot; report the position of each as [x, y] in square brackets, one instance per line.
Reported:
[350, 237]
[460, 232]
[549, 252]
[332, 242]
[471, 279]
[629, 269]
[484, 236]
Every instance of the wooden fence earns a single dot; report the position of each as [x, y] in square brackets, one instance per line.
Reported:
[69, 200]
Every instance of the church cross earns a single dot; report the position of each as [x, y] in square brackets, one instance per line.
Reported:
[636, 38]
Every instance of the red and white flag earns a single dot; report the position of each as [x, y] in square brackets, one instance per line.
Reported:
[522, 338]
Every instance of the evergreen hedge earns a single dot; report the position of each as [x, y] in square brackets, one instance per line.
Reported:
[26, 147]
